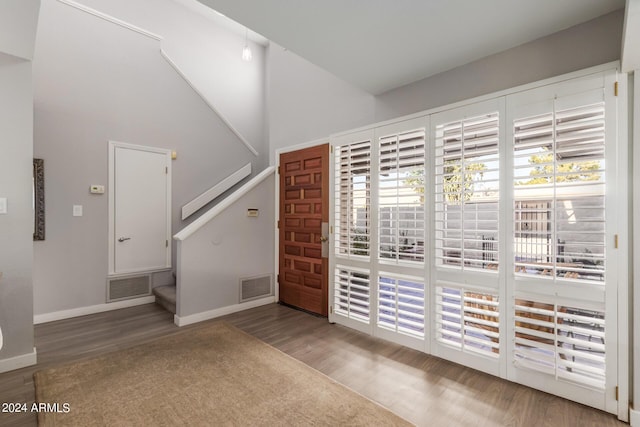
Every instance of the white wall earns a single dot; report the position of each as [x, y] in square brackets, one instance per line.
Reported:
[16, 227]
[209, 54]
[17, 32]
[18, 20]
[306, 103]
[229, 247]
[591, 43]
[95, 82]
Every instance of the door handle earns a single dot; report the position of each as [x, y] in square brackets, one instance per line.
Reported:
[122, 239]
[324, 239]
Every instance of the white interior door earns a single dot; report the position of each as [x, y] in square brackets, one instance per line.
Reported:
[141, 209]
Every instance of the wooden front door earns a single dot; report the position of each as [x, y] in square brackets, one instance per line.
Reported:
[304, 207]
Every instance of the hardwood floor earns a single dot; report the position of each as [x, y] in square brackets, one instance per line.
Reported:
[423, 389]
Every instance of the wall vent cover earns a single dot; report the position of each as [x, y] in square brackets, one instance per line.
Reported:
[255, 287]
[128, 287]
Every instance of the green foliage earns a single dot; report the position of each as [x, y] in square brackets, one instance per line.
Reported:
[360, 242]
[456, 188]
[567, 172]
[459, 186]
[416, 180]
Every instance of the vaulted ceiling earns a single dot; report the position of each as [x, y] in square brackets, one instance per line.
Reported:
[379, 45]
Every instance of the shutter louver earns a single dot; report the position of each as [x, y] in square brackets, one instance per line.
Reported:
[401, 196]
[468, 320]
[401, 304]
[352, 199]
[467, 193]
[565, 342]
[352, 293]
[559, 183]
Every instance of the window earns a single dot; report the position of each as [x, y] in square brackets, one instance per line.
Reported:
[401, 196]
[505, 198]
[352, 199]
[467, 193]
[559, 177]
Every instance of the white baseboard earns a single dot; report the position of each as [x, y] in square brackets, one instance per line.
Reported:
[222, 311]
[18, 362]
[92, 309]
[634, 418]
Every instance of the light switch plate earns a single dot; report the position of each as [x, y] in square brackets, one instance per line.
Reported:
[77, 210]
[3, 205]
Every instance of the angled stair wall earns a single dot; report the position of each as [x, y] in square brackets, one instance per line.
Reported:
[224, 246]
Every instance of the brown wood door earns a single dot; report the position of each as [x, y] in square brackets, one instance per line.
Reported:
[304, 206]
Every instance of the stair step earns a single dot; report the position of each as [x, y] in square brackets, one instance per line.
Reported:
[166, 297]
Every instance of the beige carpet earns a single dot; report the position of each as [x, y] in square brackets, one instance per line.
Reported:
[209, 376]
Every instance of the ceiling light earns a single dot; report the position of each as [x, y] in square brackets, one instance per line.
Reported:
[246, 52]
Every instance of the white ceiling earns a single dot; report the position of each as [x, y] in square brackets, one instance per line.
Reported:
[379, 45]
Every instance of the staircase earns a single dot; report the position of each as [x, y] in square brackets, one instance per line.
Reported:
[166, 297]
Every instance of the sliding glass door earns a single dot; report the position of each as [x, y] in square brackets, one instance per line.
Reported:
[487, 234]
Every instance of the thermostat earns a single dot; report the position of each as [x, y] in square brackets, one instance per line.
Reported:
[96, 189]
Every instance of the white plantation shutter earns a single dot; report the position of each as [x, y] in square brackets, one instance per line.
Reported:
[483, 240]
[352, 199]
[564, 285]
[352, 293]
[468, 320]
[467, 193]
[565, 342]
[559, 183]
[401, 196]
[401, 304]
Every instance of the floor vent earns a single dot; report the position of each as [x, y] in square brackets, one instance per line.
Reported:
[128, 287]
[255, 287]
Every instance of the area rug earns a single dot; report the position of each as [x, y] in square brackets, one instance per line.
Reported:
[207, 376]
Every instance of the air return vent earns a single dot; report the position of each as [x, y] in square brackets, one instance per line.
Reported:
[128, 287]
[255, 287]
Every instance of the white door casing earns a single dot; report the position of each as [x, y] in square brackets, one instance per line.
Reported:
[139, 208]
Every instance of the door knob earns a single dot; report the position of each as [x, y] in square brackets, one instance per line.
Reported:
[323, 239]
[122, 239]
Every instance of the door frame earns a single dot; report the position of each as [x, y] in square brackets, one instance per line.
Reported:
[113, 145]
[276, 261]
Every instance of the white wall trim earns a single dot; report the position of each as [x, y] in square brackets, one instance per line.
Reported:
[301, 146]
[17, 362]
[634, 418]
[197, 203]
[220, 207]
[111, 19]
[222, 311]
[624, 227]
[209, 104]
[635, 248]
[92, 309]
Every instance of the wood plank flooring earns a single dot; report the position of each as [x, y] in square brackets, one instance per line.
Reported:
[423, 389]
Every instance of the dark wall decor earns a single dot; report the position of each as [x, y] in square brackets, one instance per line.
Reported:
[38, 199]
